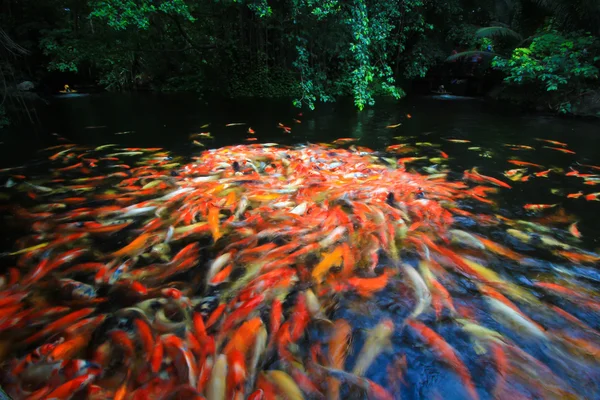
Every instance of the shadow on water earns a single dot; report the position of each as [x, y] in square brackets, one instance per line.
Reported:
[167, 121]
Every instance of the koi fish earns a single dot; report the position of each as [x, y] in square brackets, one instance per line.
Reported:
[338, 350]
[393, 126]
[574, 231]
[475, 176]
[286, 385]
[538, 207]
[136, 246]
[235, 124]
[575, 195]
[217, 384]
[444, 351]
[593, 196]
[251, 131]
[525, 164]
[519, 146]
[344, 140]
[552, 142]
[377, 339]
[542, 174]
[560, 149]
[60, 324]
[458, 140]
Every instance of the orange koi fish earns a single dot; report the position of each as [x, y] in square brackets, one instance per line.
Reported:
[366, 287]
[213, 223]
[243, 338]
[137, 246]
[338, 350]
[591, 166]
[329, 260]
[525, 164]
[67, 350]
[446, 352]
[552, 142]
[344, 140]
[560, 149]
[579, 258]
[575, 195]
[475, 176]
[251, 131]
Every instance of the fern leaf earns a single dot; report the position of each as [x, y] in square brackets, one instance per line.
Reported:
[472, 53]
[492, 31]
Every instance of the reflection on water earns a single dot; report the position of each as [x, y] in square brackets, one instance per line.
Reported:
[437, 266]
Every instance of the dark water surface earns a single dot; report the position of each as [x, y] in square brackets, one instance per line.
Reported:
[167, 121]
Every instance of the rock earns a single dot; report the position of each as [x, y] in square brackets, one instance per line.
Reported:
[587, 105]
[25, 86]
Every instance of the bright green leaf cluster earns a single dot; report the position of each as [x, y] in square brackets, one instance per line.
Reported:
[121, 14]
[555, 61]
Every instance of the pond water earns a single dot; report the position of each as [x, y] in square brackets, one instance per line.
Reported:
[523, 309]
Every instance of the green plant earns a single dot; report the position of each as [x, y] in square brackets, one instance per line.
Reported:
[564, 64]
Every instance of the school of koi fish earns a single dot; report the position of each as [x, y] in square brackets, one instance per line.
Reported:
[228, 276]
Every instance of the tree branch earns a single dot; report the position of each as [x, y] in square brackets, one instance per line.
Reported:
[188, 39]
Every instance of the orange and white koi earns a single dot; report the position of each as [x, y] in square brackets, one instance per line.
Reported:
[538, 207]
[574, 231]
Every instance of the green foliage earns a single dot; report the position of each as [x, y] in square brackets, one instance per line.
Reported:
[566, 64]
[120, 14]
[311, 50]
[64, 50]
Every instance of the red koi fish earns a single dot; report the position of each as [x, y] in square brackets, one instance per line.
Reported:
[68, 389]
[574, 231]
[59, 324]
